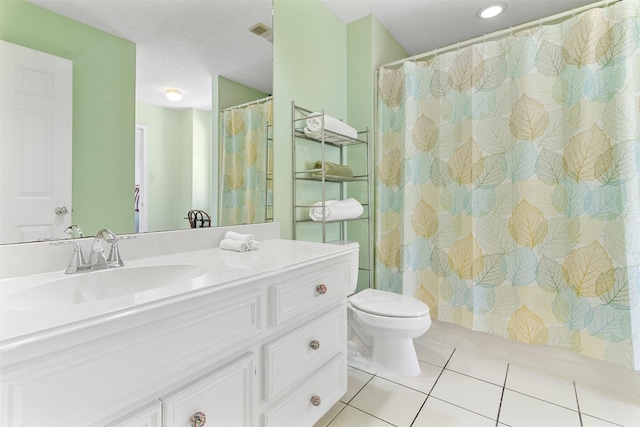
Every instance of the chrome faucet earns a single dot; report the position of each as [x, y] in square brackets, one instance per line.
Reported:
[77, 262]
[97, 259]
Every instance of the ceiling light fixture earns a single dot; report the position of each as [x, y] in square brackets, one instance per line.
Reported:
[174, 95]
[491, 10]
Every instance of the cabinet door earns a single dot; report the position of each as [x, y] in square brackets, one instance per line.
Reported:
[224, 398]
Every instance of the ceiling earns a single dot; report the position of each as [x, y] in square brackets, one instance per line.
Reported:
[182, 43]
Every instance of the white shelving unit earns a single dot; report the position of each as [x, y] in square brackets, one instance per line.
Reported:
[320, 186]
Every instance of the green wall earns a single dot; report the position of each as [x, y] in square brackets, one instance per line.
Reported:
[369, 45]
[309, 67]
[225, 93]
[178, 157]
[103, 109]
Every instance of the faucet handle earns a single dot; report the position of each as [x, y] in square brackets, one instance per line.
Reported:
[77, 262]
[114, 259]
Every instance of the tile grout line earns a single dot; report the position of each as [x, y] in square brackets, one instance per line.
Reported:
[371, 415]
[504, 386]
[339, 412]
[361, 388]
[428, 394]
[432, 387]
[575, 391]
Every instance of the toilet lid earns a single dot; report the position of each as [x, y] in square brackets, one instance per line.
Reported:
[389, 304]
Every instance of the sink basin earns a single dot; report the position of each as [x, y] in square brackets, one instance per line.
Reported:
[138, 283]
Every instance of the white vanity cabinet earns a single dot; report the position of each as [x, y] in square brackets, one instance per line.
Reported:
[265, 349]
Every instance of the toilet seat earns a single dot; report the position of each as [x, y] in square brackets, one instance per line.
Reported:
[389, 304]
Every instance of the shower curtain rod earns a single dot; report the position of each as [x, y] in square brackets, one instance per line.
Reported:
[484, 37]
[257, 101]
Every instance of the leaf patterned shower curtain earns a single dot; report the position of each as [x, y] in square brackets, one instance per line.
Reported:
[244, 168]
[508, 184]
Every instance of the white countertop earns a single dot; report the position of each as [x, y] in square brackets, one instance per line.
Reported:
[214, 269]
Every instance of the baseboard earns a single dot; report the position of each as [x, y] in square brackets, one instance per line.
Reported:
[583, 370]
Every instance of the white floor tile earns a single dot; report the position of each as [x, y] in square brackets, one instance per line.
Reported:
[424, 382]
[469, 393]
[544, 386]
[606, 407]
[356, 379]
[519, 410]
[588, 421]
[433, 352]
[438, 413]
[388, 401]
[478, 366]
[329, 416]
[352, 417]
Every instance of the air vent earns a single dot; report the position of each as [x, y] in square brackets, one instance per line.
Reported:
[263, 31]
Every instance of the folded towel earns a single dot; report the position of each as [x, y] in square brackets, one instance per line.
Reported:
[333, 169]
[232, 235]
[234, 245]
[335, 210]
[314, 127]
[254, 245]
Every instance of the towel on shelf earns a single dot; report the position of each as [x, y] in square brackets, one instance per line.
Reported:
[232, 235]
[331, 124]
[234, 245]
[333, 169]
[335, 210]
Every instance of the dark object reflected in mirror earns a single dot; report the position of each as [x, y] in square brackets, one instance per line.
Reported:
[199, 219]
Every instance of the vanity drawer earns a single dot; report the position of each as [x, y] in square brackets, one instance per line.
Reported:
[309, 290]
[224, 399]
[308, 403]
[290, 359]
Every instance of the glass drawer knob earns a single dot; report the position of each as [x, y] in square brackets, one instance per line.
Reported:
[321, 289]
[315, 400]
[199, 419]
[315, 344]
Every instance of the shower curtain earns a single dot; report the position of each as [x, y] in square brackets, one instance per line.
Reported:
[245, 187]
[508, 184]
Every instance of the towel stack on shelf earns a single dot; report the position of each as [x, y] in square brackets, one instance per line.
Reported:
[333, 169]
[239, 242]
[314, 128]
[336, 210]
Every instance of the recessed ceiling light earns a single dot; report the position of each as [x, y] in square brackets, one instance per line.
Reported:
[174, 95]
[491, 10]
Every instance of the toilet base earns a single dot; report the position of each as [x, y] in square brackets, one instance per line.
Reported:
[395, 356]
[386, 355]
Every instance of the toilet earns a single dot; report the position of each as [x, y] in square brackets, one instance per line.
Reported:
[381, 328]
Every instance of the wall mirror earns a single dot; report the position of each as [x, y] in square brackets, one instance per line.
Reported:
[124, 56]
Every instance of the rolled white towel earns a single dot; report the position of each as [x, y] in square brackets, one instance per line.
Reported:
[234, 245]
[232, 235]
[335, 210]
[314, 124]
[254, 245]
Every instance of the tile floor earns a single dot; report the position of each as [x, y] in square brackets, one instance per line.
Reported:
[461, 388]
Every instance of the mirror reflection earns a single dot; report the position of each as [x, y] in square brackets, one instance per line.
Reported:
[125, 133]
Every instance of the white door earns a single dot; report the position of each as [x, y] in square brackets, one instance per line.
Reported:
[141, 175]
[35, 144]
